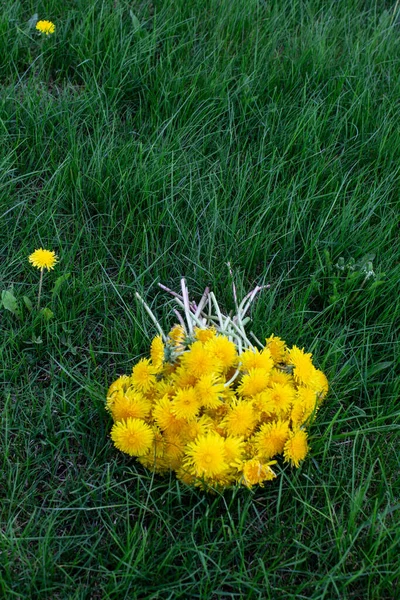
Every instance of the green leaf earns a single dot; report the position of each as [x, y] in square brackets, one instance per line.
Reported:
[10, 303]
[28, 303]
[47, 313]
[135, 21]
[374, 369]
[58, 283]
[33, 20]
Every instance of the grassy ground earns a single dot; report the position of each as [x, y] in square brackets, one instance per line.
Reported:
[149, 140]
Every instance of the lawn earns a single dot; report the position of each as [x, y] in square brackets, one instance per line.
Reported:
[146, 141]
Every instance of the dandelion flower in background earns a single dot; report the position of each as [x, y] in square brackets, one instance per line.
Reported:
[43, 259]
[46, 27]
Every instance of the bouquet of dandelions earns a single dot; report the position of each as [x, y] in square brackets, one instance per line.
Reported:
[209, 404]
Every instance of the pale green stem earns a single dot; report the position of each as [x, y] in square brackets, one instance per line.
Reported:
[40, 288]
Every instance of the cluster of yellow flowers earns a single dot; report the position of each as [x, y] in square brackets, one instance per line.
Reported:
[214, 412]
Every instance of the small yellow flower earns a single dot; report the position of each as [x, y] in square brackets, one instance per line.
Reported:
[296, 448]
[46, 27]
[43, 259]
[132, 436]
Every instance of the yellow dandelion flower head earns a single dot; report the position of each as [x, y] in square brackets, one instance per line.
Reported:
[164, 417]
[271, 438]
[194, 428]
[256, 472]
[254, 359]
[254, 382]
[132, 436]
[185, 404]
[223, 350]
[176, 337]
[198, 361]
[204, 335]
[278, 376]
[157, 352]
[307, 397]
[217, 482]
[158, 445]
[277, 347]
[278, 399]
[130, 405]
[302, 363]
[206, 456]
[143, 375]
[43, 259]
[296, 447]
[319, 383]
[234, 449]
[185, 476]
[117, 389]
[183, 378]
[46, 27]
[304, 406]
[174, 447]
[164, 387]
[240, 419]
[158, 464]
[209, 390]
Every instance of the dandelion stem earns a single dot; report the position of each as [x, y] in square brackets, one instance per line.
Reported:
[151, 315]
[40, 287]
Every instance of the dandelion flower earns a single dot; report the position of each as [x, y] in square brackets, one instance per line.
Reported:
[254, 359]
[277, 347]
[241, 419]
[157, 352]
[174, 449]
[279, 398]
[185, 404]
[194, 428]
[278, 376]
[234, 447]
[223, 350]
[209, 391]
[165, 418]
[176, 338]
[204, 335]
[46, 27]
[254, 382]
[271, 438]
[43, 259]
[198, 361]
[117, 389]
[319, 383]
[303, 367]
[158, 445]
[143, 375]
[130, 405]
[296, 448]
[206, 456]
[182, 378]
[132, 436]
[255, 472]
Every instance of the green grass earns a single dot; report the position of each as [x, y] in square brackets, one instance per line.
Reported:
[145, 148]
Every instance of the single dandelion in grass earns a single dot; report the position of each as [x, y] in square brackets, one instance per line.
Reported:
[45, 27]
[42, 259]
